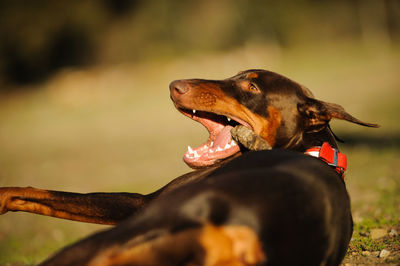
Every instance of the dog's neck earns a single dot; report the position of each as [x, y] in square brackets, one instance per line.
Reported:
[317, 138]
[300, 142]
[303, 141]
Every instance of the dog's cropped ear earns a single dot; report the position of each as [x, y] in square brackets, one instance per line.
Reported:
[317, 114]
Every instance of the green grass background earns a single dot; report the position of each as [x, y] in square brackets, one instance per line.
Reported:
[114, 128]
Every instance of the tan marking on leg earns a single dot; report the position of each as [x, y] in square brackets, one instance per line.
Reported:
[10, 198]
[231, 245]
[167, 249]
[29, 199]
[209, 246]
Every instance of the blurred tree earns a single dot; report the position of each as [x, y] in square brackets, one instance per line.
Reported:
[39, 37]
[393, 19]
[120, 7]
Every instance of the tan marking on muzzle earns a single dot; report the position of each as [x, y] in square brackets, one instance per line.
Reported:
[266, 127]
[269, 131]
[210, 97]
[205, 99]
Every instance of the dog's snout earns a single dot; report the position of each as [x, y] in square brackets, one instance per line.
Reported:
[178, 87]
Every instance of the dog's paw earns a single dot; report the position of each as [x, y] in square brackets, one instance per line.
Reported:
[5, 197]
[11, 198]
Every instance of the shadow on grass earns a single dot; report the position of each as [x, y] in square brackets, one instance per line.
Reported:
[391, 140]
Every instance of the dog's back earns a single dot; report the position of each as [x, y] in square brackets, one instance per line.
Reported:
[278, 207]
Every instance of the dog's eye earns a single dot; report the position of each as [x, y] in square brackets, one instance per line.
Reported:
[253, 88]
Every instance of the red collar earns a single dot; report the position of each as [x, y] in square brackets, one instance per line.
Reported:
[331, 156]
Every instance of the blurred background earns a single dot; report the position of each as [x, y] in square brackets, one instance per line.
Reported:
[84, 100]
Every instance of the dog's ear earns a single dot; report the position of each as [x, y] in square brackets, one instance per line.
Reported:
[317, 114]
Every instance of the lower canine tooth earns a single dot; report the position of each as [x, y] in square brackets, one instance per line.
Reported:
[190, 150]
[233, 143]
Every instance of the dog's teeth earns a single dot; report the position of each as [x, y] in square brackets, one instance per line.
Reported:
[190, 150]
[228, 119]
[194, 111]
[233, 143]
[211, 151]
[211, 143]
[227, 146]
[219, 149]
[195, 154]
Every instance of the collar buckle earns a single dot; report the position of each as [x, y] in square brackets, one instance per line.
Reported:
[330, 156]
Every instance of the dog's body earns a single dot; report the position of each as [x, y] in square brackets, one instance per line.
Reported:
[289, 209]
[265, 207]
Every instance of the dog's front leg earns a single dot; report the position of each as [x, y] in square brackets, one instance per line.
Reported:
[100, 208]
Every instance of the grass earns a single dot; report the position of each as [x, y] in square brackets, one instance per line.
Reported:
[105, 129]
[383, 214]
[362, 241]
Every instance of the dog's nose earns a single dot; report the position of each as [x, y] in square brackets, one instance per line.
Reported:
[178, 86]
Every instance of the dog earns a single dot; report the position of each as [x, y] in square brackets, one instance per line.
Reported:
[256, 198]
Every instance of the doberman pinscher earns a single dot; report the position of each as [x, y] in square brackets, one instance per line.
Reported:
[268, 207]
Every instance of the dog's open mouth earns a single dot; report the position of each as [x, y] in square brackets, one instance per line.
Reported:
[219, 145]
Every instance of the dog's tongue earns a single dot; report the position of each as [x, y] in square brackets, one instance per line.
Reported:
[223, 146]
[224, 137]
[217, 148]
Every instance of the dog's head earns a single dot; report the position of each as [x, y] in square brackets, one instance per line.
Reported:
[279, 110]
